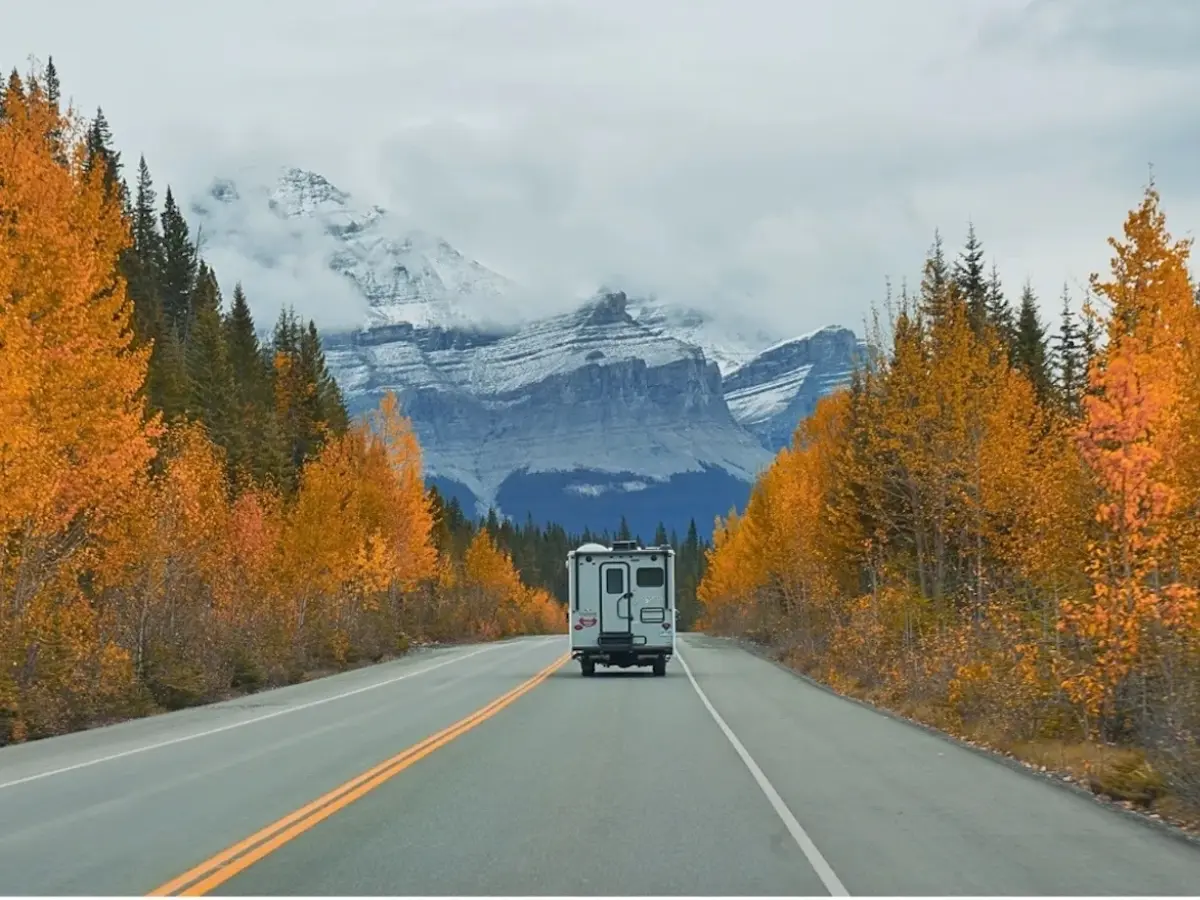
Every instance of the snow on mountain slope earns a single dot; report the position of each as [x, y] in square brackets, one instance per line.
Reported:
[728, 341]
[587, 392]
[774, 391]
[404, 274]
[615, 408]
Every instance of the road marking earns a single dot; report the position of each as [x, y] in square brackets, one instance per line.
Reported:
[220, 868]
[824, 871]
[271, 715]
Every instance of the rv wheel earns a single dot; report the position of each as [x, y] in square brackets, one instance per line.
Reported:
[588, 666]
[660, 666]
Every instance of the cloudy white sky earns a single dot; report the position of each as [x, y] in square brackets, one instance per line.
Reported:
[803, 149]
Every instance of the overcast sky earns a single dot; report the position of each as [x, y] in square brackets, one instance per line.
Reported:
[803, 149]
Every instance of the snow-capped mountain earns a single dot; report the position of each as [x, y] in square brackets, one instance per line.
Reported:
[771, 393]
[730, 342]
[404, 274]
[617, 408]
[576, 418]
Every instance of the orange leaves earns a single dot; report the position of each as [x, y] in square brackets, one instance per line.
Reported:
[784, 545]
[128, 581]
[370, 484]
[72, 440]
[938, 531]
[483, 594]
[488, 568]
[1137, 420]
[492, 587]
[406, 510]
[73, 444]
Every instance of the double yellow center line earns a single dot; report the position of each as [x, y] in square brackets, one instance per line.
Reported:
[225, 865]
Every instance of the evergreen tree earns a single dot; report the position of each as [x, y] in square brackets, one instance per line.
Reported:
[245, 351]
[1031, 344]
[329, 408]
[969, 277]
[53, 86]
[210, 376]
[100, 152]
[441, 534]
[999, 313]
[147, 239]
[623, 532]
[660, 535]
[688, 572]
[143, 262]
[1069, 358]
[179, 267]
[54, 95]
[14, 88]
[167, 381]
[934, 282]
[292, 396]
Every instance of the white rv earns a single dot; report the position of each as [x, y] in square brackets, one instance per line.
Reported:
[622, 605]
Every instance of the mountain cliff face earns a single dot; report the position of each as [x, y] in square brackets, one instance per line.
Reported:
[771, 393]
[578, 418]
[618, 408]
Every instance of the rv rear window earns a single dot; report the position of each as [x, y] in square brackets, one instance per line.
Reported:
[650, 577]
[614, 580]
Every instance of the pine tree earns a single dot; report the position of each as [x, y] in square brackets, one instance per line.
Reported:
[54, 96]
[688, 572]
[210, 376]
[143, 262]
[329, 408]
[245, 351]
[660, 535]
[1069, 361]
[53, 87]
[179, 268]
[14, 89]
[441, 535]
[100, 152]
[969, 276]
[623, 532]
[147, 239]
[999, 313]
[167, 384]
[1031, 344]
[934, 282]
[292, 396]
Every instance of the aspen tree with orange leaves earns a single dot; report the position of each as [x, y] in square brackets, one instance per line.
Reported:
[959, 537]
[1132, 438]
[73, 440]
[256, 538]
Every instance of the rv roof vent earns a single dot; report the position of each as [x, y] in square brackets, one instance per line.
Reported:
[625, 545]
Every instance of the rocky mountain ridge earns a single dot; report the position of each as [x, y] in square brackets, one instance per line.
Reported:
[621, 406]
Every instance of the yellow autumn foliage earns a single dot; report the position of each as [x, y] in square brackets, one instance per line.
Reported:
[939, 538]
[135, 572]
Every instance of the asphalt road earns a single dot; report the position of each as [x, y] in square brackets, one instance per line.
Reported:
[743, 781]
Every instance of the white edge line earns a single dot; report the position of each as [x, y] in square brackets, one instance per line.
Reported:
[824, 871]
[244, 722]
